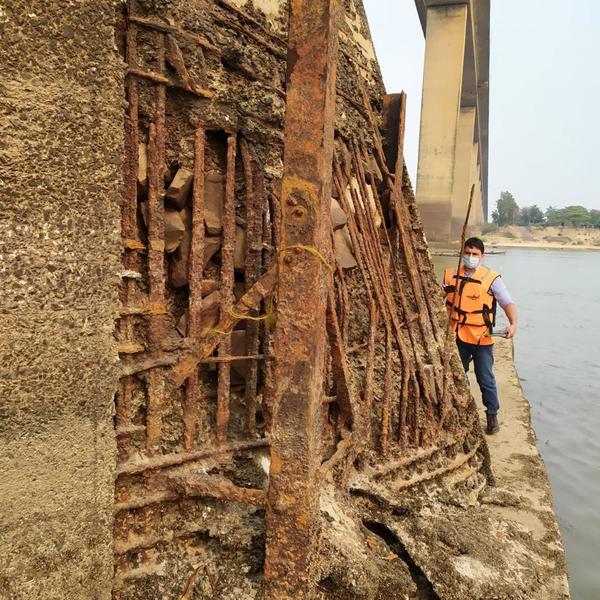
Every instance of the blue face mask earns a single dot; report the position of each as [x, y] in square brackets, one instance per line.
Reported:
[470, 262]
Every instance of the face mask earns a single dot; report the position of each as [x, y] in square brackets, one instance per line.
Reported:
[470, 262]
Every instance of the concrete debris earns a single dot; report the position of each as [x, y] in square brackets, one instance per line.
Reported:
[338, 216]
[174, 230]
[142, 176]
[239, 254]
[238, 348]
[214, 197]
[179, 189]
[179, 261]
[343, 248]
[128, 274]
[178, 267]
[209, 315]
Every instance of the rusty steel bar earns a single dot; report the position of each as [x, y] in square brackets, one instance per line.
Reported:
[299, 337]
[134, 467]
[231, 24]
[387, 396]
[369, 284]
[191, 357]
[428, 393]
[129, 209]
[351, 415]
[250, 19]
[254, 206]
[149, 75]
[124, 396]
[227, 251]
[405, 388]
[424, 379]
[193, 391]
[160, 114]
[150, 24]
[377, 270]
[156, 284]
[272, 221]
[222, 359]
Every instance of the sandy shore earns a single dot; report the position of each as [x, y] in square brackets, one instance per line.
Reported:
[551, 238]
[545, 245]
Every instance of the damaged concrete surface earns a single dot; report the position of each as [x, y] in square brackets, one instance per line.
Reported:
[400, 470]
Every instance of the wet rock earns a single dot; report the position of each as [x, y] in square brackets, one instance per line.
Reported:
[338, 216]
[174, 230]
[179, 189]
[343, 248]
[214, 198]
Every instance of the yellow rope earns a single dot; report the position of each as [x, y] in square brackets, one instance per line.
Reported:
[220, 331]
[310, 249]
[269, 316]
[241, 316]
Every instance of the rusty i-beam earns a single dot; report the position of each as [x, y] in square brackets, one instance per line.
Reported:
[304, 277]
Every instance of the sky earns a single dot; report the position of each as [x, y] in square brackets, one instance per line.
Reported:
[544, 132]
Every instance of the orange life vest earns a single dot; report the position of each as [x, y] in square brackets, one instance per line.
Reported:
[474, 311]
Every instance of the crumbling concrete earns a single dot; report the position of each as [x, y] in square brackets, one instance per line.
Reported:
[397, 438]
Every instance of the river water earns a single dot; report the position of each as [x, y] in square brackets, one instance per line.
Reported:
[557, 354]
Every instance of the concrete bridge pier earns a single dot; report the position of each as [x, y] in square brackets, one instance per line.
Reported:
[453, 142]
[465, 170]
[440, 109]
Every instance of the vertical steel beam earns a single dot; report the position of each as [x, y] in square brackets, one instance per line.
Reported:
[299, 338]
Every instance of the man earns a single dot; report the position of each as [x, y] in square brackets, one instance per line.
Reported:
[473, 312]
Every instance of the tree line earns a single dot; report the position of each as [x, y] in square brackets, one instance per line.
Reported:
[508, 212]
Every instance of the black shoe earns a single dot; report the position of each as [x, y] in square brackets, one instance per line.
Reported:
[492, 424]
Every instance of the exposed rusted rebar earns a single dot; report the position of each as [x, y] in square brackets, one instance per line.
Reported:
[351, 416]
[124, 396]
[387, 395]
[292, 518]
[201, 349]
[254, 183]
[169, 460]
[227, 253]
[156, 285]
[193, 393]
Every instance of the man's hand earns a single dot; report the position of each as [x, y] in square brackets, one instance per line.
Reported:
[511, 313]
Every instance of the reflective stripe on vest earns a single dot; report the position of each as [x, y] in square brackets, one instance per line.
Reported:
[474, 315]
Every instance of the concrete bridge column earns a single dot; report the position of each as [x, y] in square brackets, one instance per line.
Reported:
[477, 210]
[463, 166]
[442, 84]
[475, 179]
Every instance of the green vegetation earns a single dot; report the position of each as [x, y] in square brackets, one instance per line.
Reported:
[508, 212]
[488, 228]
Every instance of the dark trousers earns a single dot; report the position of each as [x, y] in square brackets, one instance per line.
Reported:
[483, 361]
